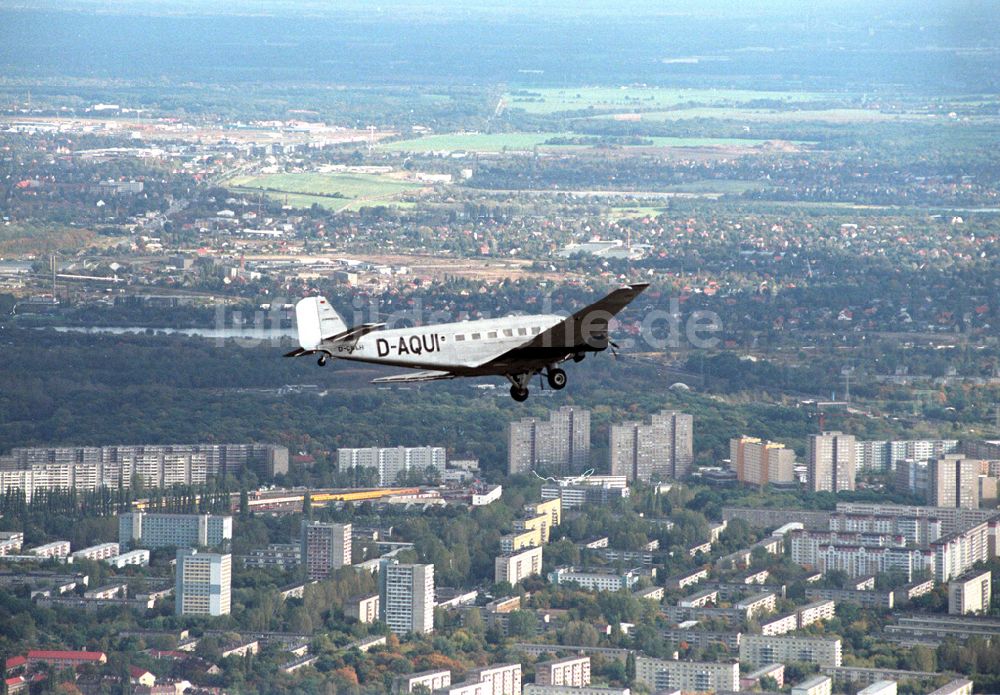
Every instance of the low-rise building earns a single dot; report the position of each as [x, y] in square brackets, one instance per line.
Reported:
[959, 686]
[817, 685]
[758, 604]
[102, 551]
[53, 549]
[594, 579]
[11, 542]
[883, 687]
[752, 679]
[781, 625]
[139, 558]
[700, 599]
[824, 609]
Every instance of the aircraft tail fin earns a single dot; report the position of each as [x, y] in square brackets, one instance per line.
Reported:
[316, 319]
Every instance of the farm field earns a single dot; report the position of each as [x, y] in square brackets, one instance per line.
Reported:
[499, 142]
[624, 99]
[801, 115]
[332, 191]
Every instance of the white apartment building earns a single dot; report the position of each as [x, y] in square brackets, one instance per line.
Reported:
[498, 679]
[11, 542]
[513, 567]
[103, 551]
[53, 549]
[139, 558]
[393, 463]
[759, 650]
[406, 597]
[594, 580]
[204, 583]
[663, 674]
[164, 530]
[573, 671]
[971, 593]
[90, 468]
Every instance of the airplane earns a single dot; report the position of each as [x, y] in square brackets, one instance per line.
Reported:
[515, 347]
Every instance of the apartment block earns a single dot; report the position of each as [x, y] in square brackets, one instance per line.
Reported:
[573, 671]
[325, 548]
[90, 468]
[514, 567]
[662, 674]
[970, 593]
[954, 481]
[139, 558]
[661, 450]
[781, 625]
[759, 462]
[406, 596]
[814, 612]
[512, 542]
[363, 608]
[431, 680]
[600, 490]
[11, 542]
[830, 462]
[816, 685]
[53, 549]
[393, 464]
[536, 689]
[559, 445]
[498, 679]
[102, 551]
[758, 650]
[595, 580]
[956, 553]
[203, 583]
[162, 530]
[959, 686]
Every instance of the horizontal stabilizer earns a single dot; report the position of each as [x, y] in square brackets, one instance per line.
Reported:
[354, 333]
[414, 376]
[298, 352]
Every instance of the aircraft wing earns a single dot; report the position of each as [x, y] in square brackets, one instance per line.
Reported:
[589, 323]
[431, 375]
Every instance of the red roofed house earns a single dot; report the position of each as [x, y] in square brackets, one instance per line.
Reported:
[16, 685]
[14, 662]
[140, 676]
[65, 659]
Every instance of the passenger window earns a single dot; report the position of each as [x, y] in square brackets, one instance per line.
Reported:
[535, 330]
[522, 331]
[459, 338]
[475, 336]
[491, 334]
[508, 332]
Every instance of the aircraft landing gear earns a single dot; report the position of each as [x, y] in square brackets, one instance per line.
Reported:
[518, 393]
[322, 361]
[519, 386]
[556, 378]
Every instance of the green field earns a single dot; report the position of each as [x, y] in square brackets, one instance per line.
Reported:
[626, 99]
[475, 142]
[334, 191]
[834, 116]
[517, 142]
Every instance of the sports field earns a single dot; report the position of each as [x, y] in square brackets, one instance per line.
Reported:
[625, 99]
[334, 191]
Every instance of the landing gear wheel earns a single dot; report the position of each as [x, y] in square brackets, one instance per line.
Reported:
[519, 394]
[321, 361]
[557, 378]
